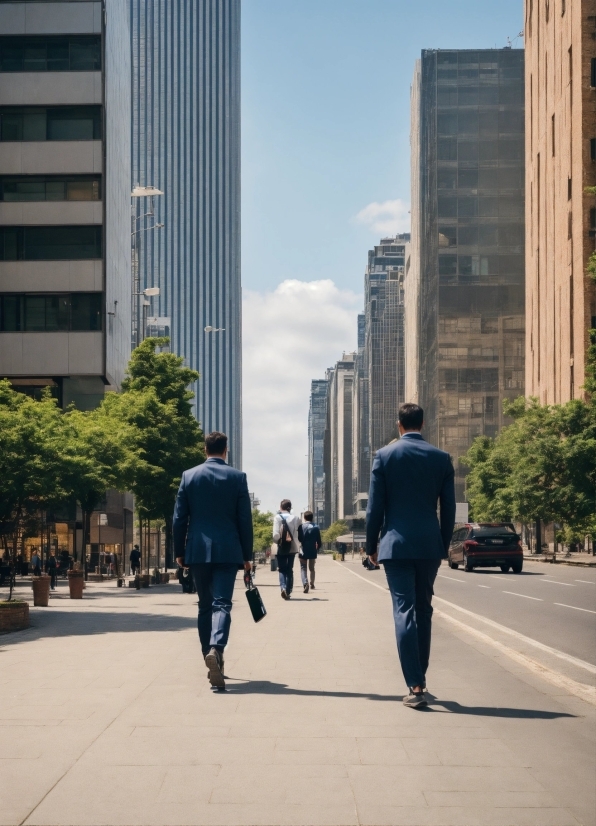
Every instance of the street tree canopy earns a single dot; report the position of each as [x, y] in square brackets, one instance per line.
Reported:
[333, 531]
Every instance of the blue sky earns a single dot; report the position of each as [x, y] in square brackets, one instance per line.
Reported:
[325, 138]
[325, 102]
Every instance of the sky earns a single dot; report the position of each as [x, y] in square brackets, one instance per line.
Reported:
[325, 174]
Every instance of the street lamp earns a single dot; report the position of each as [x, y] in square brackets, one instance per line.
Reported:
[141, 192]
[210, 329]
[149, 293]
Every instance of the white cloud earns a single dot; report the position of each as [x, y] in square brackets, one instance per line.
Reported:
[386, 218]
[290, 336]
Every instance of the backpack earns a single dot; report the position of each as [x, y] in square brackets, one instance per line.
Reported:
[284, 546]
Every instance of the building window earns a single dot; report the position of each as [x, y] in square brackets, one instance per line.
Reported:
[47, 313]
[563, 7]
[593, 149]
[51, 243]
[50, 53]
[552, 135]
[593, 72]
[57, 123]
[50, 187]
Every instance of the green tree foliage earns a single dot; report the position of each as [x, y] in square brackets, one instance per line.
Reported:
[333, 531]
[262, 526]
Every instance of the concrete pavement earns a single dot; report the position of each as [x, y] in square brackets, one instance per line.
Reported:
[107, 718]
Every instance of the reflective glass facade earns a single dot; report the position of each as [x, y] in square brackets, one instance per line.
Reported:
[468, 242]
[317, 416]
[186, 142]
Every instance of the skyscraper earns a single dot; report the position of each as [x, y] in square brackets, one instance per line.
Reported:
[339, 439]
[186, 142]
[560, 214]
[361, 435]
[466, 279]
[317, 416]
[384, 339]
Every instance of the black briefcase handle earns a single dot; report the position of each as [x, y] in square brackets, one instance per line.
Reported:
[255, 603]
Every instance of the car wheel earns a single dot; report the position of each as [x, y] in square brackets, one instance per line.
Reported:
[517, 567]
[453, 565]
[467, 564]
[504, 568]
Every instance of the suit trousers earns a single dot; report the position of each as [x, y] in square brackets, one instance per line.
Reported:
[285, 566]
[411, 583]
[215, 587]
[307, 565]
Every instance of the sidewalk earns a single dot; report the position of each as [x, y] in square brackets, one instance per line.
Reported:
[582, 560]
[108, 720]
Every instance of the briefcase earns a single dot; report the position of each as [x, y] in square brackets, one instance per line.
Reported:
[255, 603]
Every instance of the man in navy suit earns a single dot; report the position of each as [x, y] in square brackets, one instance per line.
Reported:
[409, 477]
[213, 536]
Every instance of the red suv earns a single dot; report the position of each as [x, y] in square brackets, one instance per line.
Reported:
[486, 545]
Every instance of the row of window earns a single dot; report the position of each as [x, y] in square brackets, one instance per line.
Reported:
[469, 379]
[471, 57]
[50, 187]
[471, 206]
[482, 235]
[48, 313]
[50, 53]
[474, 150]
[495, 95]
[501, 178]
[481, 264]
[51, 243]
[476, 122]
[50, 123]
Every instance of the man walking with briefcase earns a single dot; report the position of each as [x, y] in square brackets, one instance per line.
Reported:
[213, 536]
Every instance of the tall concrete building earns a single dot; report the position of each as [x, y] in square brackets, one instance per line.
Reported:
[465, 283]
[384, 339]
[65, 289]
[560, 215]
[317, 418]
[186, 142]
[361, 430]
[339, 440]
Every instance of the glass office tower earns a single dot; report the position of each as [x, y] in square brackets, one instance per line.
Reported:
[317, 417]
[467, 273]
[186, 142]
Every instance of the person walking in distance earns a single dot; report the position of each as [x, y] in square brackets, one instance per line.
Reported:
[309, 537]
[213, 536]
[408, 478]
[285, 533]
[135, 561]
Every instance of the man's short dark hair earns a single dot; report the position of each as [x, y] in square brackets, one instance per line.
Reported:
[216, 443]
[410, 416]
[309, 516]
[285, 505]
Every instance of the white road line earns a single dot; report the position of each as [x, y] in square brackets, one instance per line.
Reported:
[513, 594]
[585, 692]
[575, 608]
[484, 586]
[586, 581]
[556, 582]
[452, 578]
[503, 628]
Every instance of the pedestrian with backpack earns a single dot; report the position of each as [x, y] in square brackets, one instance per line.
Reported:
[310, 540]
[285, 534]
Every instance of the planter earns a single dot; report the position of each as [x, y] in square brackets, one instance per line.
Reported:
[14, 615]
[164, 578]
[41, 590]
[145, 580]
[76, 583]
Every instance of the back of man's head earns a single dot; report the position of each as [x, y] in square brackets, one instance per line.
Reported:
[285, 505]
[216, 443]
[308, 516]
[410, 416]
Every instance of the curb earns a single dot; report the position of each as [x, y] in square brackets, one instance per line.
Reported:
[560, 561]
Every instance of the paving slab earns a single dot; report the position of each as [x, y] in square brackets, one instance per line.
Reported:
[107, 719]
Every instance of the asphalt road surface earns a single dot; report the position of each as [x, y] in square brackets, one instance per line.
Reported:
[554, 604]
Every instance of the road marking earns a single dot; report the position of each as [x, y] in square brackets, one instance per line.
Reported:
[502, 628]
[556, 582]
[484, 586]
[452, 578]
[513, 594]
[586, 581]
[575, 608]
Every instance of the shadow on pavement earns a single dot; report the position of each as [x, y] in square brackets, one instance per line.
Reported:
[489, 711]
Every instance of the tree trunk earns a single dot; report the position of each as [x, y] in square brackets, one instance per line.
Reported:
[86, 539]
[169, 562]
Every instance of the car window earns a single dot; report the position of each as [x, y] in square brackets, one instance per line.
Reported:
[494, 531]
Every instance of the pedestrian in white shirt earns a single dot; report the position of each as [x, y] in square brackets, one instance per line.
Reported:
[285, 534]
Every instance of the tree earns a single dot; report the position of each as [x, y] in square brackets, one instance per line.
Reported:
[333, 531]
[164, 435]
[262, 525]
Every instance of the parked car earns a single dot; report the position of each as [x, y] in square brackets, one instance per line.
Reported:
[486, 545]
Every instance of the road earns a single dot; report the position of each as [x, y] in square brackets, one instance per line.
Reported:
[555, 605]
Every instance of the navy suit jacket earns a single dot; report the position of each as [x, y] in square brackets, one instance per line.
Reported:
[213, 517]
[409, 477]
[309, 537]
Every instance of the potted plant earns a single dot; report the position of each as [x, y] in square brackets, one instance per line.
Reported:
[41, 590]
[76, 582]
[14, 615]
